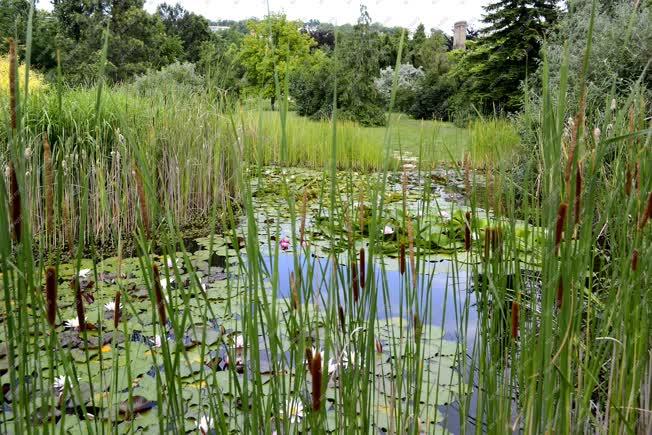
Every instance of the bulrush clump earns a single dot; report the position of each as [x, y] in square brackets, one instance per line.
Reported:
[142, 199]
[295, 292]
[401, 259]
[559, 227]
[49, 186]
[340, 314]
[515, 319]
[647, 213]
[467, 231]
[16, 210]
[118, 311]
[13, 59]
[79, 303]
[635, 260]
[560, 292]
[158, 293]
[315, 372]
[51, 294]
[363, 270]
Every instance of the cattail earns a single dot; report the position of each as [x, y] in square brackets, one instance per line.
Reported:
[401, 259]
[118, 312]
[637, 176]
[49, 185]
[363, 270]
[158, 293]
[578, 194]
[144, 211]
[417, 327]
[561, 218]
[379, 346]
[647, 213]
[295, 293]
[628, 182]
[514, 319]
[79, 302]
[492, 241]
[355, 282]
[467, 232]
[303, 211]
[315, 372]
[340, 314]
[13, 60]
[635, 260]
[560, 292]
[16, 211]
[51, 294]
[411, 254]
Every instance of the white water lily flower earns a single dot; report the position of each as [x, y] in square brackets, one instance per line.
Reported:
[388, 230]
[60, 384]
[332, 366]
[239, 341]
[348, 358]
[84, 273]
[294, 410]
[444, 214]
[158, 342]
[110, 306]
[170, 262]
[205, 424]
[203, 286]
[165, 281]
[71, 323]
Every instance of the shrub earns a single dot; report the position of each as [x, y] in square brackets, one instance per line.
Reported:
[36, 81]
[175, 77]
[407, 84]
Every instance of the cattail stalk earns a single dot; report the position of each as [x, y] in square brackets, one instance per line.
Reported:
[16, 210]
[118, 312]
[515, 319]
[561, 219]
[363, 270]
[142, 199]
[49, 186]
[560, 292]
[411, 254]
[401, 259]
[295, 293]
[303, 212]
[51, 295]
[158, 293]
[467, 232]
[315, 371]
[79, 303]
[13, 60]
[647, 213]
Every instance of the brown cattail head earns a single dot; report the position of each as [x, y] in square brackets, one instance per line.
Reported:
[355, 282]
[16, 210]
[578, 194]
[418, 327]
[340, 314]
[467, 231]
[401, 259]
[560, 292]
[515, 320]
[51, 295]
[379, 346]
[142, 199]
[315, 372]
[647, 213]
[628, 182]
[363, 270]
[118, 312]
[158, 293]
[295, 292]
[13, 60]
[48, 169]
[79, 302]
[635, 260]
[637, 176]
[561, 219]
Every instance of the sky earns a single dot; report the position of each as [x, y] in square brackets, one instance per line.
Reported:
[439, 14]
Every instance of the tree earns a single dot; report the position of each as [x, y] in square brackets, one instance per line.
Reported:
[416, 46]
[191, 29]
[508, 48]
[219, 60]
[408, 79]
[272, 49]
[322, 33]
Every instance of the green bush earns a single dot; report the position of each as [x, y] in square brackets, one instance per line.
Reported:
[175, 77]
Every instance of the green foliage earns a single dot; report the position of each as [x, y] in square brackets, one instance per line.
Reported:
[176, 77]
[272, 49]
[192, 29]
[433, 98]
[311, 86]
[493, 67]
[408, 80]
[219, 61]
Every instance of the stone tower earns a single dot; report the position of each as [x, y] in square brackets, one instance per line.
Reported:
[459, 35]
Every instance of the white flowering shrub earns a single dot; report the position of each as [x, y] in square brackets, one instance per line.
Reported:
[406, 86]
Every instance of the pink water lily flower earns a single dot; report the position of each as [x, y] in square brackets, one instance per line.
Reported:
[285, 244]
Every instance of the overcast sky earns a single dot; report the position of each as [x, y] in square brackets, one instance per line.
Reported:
[406, 13]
